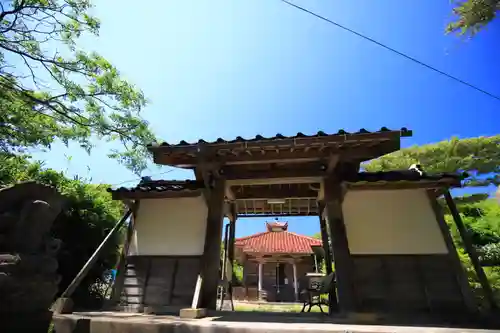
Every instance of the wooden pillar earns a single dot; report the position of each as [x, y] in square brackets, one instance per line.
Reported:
[461, 277]
[469, 247]
[260, 279]
[295, 282]
[210, 261]
[340, 246]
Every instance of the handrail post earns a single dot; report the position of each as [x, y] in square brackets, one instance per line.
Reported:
[469, 247]
[88, 265]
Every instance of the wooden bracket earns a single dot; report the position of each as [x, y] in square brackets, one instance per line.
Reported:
[332, 163]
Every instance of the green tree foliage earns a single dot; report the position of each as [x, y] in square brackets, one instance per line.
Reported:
[473, 15]
[237, 273]
[88, 217]
[490, 254]
[480, 157]
[322, 261]
[237, 267]
[50, 89]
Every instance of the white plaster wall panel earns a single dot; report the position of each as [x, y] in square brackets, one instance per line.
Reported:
[391, 222]
[173, 226]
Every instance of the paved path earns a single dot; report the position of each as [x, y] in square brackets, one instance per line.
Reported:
[120, 322]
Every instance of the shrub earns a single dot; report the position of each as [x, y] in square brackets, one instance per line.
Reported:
[89, 215]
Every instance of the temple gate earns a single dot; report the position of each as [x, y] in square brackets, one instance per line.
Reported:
[391, 248]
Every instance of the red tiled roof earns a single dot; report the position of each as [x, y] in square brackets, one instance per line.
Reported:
[277, 242]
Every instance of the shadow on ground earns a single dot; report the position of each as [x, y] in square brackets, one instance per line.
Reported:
[456, 321]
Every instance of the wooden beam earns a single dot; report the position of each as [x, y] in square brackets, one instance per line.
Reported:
[452, 252]
[340, 245]
[313, 171]
[244, 158]
[469, 247]
[137, 195]
[259, 154]
[211, 252]
[271, 181]
[93, 258]
[275, 192]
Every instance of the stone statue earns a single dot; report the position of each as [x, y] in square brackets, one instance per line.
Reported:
[28, 262]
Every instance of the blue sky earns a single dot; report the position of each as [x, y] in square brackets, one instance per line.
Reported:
[223, 68]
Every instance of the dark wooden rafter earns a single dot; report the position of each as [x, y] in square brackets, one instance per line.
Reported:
[469, 247]
[122, 260]
[93, 258]
[461, 277]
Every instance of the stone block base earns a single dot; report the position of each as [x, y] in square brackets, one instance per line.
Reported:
[190, 313]
[71, 325]
[63, 306]
[149, 310]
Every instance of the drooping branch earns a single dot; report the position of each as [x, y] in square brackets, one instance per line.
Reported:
[85, 95]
